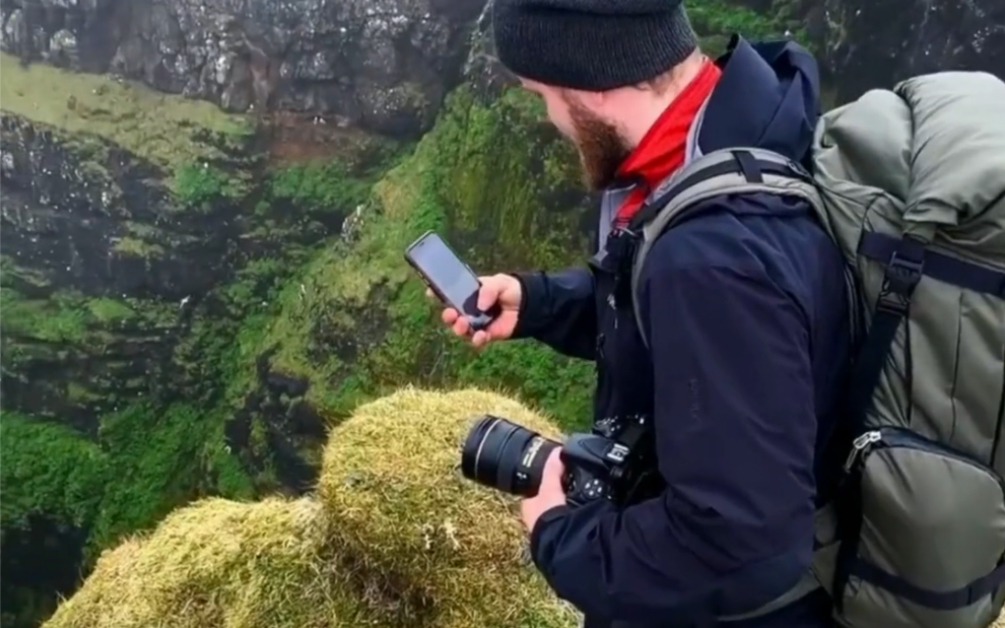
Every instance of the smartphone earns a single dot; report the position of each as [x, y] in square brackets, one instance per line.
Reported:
[450, 279]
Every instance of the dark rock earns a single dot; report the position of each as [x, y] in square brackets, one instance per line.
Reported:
[40, 560]
[482, 70]
[280, 384]
[874, 43]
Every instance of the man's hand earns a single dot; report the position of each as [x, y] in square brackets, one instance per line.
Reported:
[501, 289]
[549, 495]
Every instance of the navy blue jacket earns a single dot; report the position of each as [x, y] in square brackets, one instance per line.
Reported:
[749, 333]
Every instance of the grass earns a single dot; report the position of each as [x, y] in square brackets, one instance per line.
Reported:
[394, 537]
[161, 128]
[217, 563]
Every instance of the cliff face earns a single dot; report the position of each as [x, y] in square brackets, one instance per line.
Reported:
[384, 65]
[141, 233]
[873, 44]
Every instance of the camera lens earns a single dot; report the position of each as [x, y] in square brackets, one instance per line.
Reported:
[505, 456]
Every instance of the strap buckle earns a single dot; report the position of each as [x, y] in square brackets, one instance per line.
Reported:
[901, 276]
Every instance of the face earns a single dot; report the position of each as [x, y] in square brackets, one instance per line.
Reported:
[601, 147]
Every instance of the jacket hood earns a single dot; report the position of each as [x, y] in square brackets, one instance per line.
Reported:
[767, 97]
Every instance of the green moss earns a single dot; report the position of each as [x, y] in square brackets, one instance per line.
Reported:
[320, 185]
[164, 463]
[356, 323]
[200, 184]
[107, 310]
[69, 318]
[78, 393]
[54, 320]
[171, 131]
[11, 272]
[49, 469]
[716, 20]
[135, 247]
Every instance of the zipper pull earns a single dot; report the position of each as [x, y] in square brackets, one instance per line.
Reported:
[859, 445]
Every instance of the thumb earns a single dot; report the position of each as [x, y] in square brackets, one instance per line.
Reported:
[488, 294]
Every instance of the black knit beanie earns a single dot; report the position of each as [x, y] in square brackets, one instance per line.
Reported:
[592, 45]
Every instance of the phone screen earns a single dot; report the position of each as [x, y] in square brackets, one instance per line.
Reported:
[447, 274]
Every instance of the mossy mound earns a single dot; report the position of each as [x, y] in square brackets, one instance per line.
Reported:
[438, 548]
[396, 537]
[218, 563]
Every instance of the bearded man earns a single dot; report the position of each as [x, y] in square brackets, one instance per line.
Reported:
[745, 331]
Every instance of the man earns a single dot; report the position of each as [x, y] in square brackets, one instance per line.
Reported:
[742, 305]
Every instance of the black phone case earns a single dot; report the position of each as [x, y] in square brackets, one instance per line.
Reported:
[478, 320]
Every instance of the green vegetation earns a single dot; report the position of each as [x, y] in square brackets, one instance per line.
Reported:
[168, 130]
[394, 536]
[356, 323]
[200, 184]
[47, 469]
[321, 185]
[178, 455]
[68, 318]
[716, 20]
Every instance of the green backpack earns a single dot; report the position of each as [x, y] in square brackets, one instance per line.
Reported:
[910, 182]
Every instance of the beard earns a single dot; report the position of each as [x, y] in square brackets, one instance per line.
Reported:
[602, 150]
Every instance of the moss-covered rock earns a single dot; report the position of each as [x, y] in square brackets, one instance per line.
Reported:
[393, 538]
[218, 563]
[169, 131]
[434, 545]
[501, 186]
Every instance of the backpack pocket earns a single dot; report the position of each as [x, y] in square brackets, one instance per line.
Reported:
[922, 531]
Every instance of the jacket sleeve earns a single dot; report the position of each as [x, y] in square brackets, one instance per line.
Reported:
[735, 429]
[558, 309]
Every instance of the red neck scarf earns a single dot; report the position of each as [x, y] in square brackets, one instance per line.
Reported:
[662, 149]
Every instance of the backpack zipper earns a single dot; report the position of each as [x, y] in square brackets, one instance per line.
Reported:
[887, 437]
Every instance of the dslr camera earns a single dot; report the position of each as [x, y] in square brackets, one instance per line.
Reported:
[613, 462]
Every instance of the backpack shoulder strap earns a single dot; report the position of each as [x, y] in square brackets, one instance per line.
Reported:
[726, 171]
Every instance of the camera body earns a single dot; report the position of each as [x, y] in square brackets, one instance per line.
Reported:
[615, 461]
[612, 462]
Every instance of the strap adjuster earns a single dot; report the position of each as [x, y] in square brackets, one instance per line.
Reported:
[901, 275]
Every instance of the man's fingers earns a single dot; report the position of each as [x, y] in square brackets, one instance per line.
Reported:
[449, 316]
[461, 326]
[488, 295]
[480, 338]
[553, 469]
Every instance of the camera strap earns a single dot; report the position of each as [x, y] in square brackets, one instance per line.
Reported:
[615, 260]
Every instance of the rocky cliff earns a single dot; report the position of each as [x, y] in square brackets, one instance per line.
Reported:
[384, 65]
[202, 233]
[869, 44]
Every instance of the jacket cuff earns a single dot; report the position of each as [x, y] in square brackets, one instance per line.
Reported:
[531, 316]
[547, 517]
